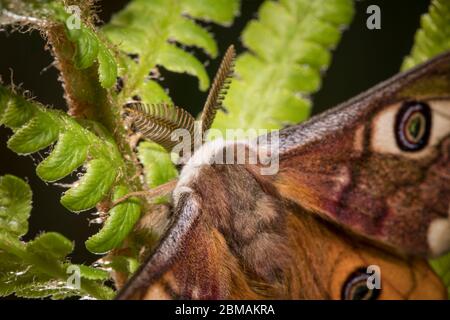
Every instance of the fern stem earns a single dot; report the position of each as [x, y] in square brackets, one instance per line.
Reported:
[87, 99]
[84, 95]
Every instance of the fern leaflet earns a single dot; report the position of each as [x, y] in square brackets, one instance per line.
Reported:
[78, 143]
[157, 26]
[39, 268]
[289, 46]
[434, 35]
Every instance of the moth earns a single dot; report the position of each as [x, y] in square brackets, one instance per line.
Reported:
[365, 184]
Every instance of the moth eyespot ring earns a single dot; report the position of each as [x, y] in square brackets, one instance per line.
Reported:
[413, 126]
[355, 287]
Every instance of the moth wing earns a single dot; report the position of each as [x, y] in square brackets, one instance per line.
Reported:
[169, 249]
[188, 262]
[348, 166]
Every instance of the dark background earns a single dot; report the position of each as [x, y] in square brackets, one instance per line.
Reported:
[363, 58]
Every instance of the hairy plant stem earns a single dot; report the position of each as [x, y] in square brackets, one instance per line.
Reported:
[86, 99]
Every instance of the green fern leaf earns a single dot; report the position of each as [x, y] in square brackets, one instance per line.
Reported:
[158, 166]
[57, 290]
[40, 132]
[15, 205]
[16, 112]
[434, 35]
[220, 11]
[152, 93]
[92, 187]
[107, 69]
[155, 25]
[41, 127]
[189, 33]
[89, 48]
[86, 44]
[49, 250]
[92, 273]
[36, 269]
[120, 222]
[70, 152]
[177, 60]
[289, 47]
[23, 278]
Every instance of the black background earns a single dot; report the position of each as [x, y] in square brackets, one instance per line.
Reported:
[292, 309]
[363, 58]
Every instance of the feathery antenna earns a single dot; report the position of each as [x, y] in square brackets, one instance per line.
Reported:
[156, 122]
[219, 89]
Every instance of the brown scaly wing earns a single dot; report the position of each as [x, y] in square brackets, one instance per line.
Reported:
[235, 239]
[225, 227]
[234, 236]
[165, 255]
[379, 164]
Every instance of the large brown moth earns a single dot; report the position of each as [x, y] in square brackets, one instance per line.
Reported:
[366, 183]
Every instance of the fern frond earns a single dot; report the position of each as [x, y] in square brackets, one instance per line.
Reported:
[152, 29]
[289, 47]
[218, 89]
[120, 222]
[36, 128]
[156, 122]
[39, 268]
[78, 144]
[433, 37]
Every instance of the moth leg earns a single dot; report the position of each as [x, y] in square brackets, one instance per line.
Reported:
[149, 194]
[134, 139]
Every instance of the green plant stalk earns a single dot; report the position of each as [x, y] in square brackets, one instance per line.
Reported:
[87, 99]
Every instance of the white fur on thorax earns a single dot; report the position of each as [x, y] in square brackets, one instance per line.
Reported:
[204, 156]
